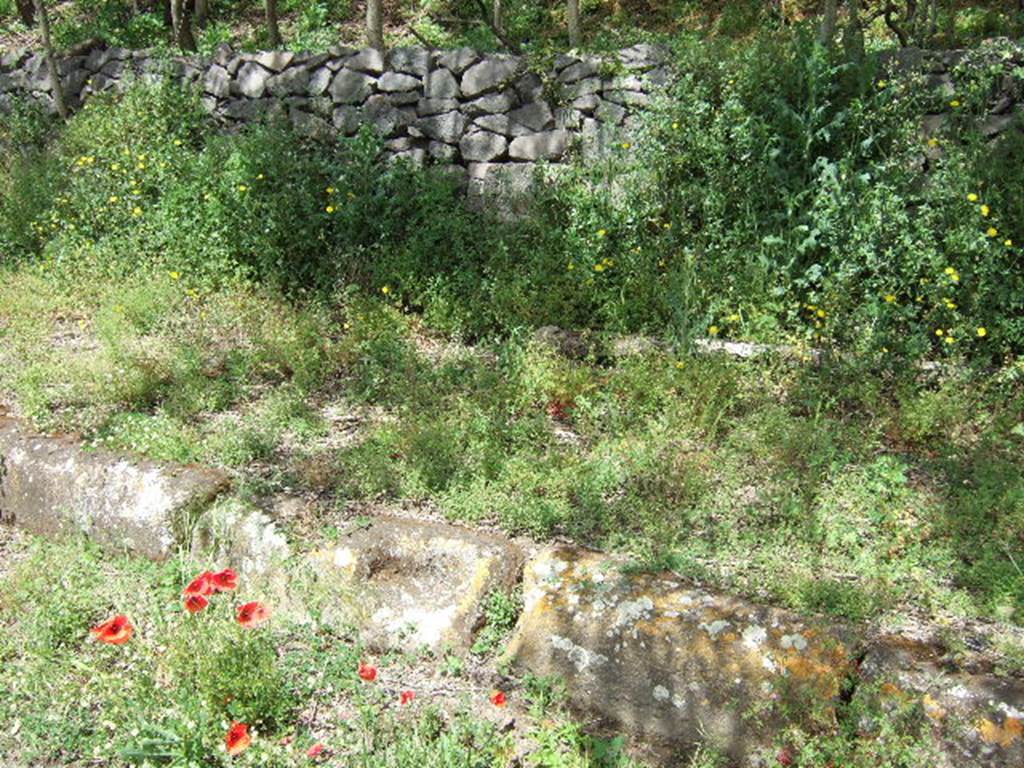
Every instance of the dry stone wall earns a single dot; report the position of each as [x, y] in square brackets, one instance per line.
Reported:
[454, 107]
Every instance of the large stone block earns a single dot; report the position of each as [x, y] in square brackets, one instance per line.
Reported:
[976, 719]
[482, 146]
[350, 87]
[488, 75]
[252, 80]
[417, 584]
[672, 663]
[446, 127]
[52, 486]
[549, 145]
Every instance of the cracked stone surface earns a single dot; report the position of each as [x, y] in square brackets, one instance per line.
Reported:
[675, 664]
[51, 486]
[410, 584]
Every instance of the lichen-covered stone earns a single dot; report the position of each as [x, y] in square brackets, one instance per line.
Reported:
[977, 719]
[674, 663]
[488, 75]
[350, 87]
[417, 584]
[367, 60]
[51, 486]
[549, 145]
[482, 146]
[446, 127]
[252, 80]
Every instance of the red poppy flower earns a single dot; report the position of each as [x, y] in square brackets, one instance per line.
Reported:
[115, 631]
[200, 586]
[195, 603]
[316, 750]
[785, 756]
[367, 671]
[499, 699]
[253, 614]
[238, 738]
[224, 581]
[406, 697]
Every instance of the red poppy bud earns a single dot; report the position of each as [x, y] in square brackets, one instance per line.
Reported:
[367, 672]
[499, 699]
[114, 631]
[406, 697]
[200, 585]
[224, 581]
[238, 738]
[252, 614]
[316, 750]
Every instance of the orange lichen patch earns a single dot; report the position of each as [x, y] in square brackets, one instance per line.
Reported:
[730, 637]
[1004, 735]
[889, 689]
[824, 674]
[659, 626]
[932, 708]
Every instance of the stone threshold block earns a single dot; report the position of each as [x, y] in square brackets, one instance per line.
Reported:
[52, 486]
[673, 664]
[409, 584]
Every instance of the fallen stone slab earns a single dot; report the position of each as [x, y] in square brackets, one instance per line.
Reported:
[232, 533]
[976, 719]
[52, 486]
[674, 664]
[410, 584]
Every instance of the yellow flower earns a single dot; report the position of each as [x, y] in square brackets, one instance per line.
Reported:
[626, 145]
[386, 290]
[991, 231]
[890, 298]
[882, 83]
[599, 267]
[950, 304]
[713, 330]
[329, 209]
[1008, 243]
[734, 318]
[141, 166]
[242, 188]
[938, 331]
[113, 199]
[950, 340]
[933, 142]
[680, 364]
[602, 232]
[675, 126]
[821, 313]
[984, 210]
[972, 197]
[954, 103]
[174, 275]
[115, 167]
[982, 332]
[259, 176]
[136, 211]
[331, 190]
[177, 142]
[667, 225]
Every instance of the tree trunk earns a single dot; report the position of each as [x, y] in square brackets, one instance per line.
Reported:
[496, 16]
[827, 30]
[202, 8]
[51, 62]
[572, 17]
[26, 12]
[182, 28]
[375, 24]
[168, 15]
[273, 31]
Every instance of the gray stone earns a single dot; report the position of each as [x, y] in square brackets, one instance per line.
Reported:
[671, 663]
[587, 103]
[403, 99]
[252, 80]
[387, 119]
[367, 60]
[570, 119]
[395, 81]
[446, 127]
[550, 145]
[52, 486]
[247, 110]
[234, 65]
[488, 75]
[491, 104]
[583, 88]
[419, 584]
[113, 68]
[993, 125]
[643, 56]
[625, 83]
[427, 107]
[504, 188]
[482, 146]
[350, 87]
[458, 60]
[347, 120]
[96, 59]
[582, 69]
[275, 61]
[440, 84]
[441, 152]
[222, 54]
[659, 77]
[233, 534]
[975, 719]
[536, 116]
[611, 113]
[413, 61]
[628, 98]
[530, 88]
[416, 156]
[341, 51]
[289, 82]
[334, 64]
[401, 144]
[318, 81]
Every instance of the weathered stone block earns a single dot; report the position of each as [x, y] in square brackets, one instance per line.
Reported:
[446, 127]
[419, 584]
[550, 145]
[482, 146]
[427, 107]
[489, 75]
[318, 81]
[536, 116]
[51, 486]
[491, 104]
[412, 61]
[367, 60]
[395, 81]
[584, 68]
[350, 87]
[275, 61]
[289, 82]
[217, 82]
[440, 84]
[458, 60]
[252, 80]
[977, 719]
[670, 662]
